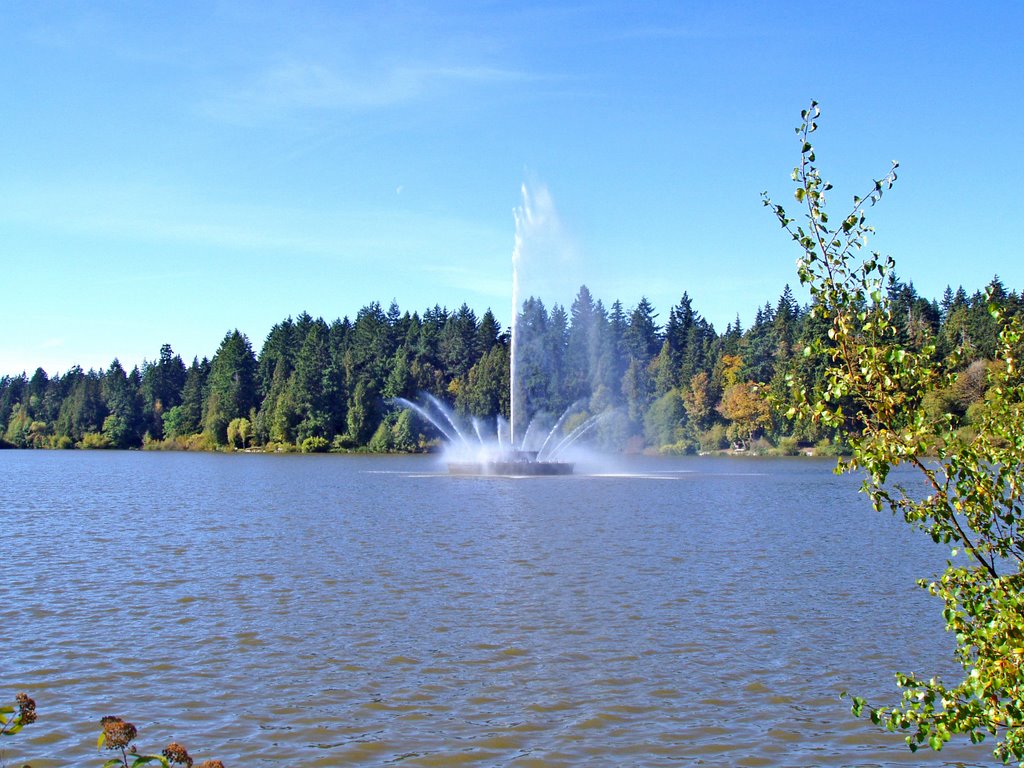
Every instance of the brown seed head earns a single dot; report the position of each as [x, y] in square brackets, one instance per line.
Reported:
[119, 734]
[26, 709]
[175, 753]
[211, 764]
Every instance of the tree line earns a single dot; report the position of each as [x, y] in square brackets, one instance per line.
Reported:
[678, 386]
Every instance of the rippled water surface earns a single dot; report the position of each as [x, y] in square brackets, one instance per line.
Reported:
[328, 610]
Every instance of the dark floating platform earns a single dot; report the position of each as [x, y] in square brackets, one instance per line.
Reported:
[511, 463]
[509, 468]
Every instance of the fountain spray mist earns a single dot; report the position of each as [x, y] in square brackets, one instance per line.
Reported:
[538, 233]
[527, 444]
[522, 215]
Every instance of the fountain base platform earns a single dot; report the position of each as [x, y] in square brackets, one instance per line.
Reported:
[511, 463]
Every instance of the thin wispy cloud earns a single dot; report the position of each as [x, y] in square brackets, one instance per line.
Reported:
[490, 280]
[301, 86]
[171, 217]
[672, 32]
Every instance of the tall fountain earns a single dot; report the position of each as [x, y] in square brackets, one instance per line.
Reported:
[523, 218]
[526, 444]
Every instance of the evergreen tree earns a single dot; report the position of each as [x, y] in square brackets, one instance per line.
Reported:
[606, 374]
[307, 384]
[533, 342]
[759, 347]
[638, 389]
[84, 411]
[12, 392]
[947, 304]
[231, 386]
[278, 415]
[583, 347]
[458, 343]
[396, 328]
[557, 398]
[35, 392]
[123, 423]
[364, 412]
[616, 349]
[641, 338]
[400, 381]
[785, 326]
[665, 371]
[162, 385]
[370, 345]
[488, 335]
[486, 393]
[278, 348]
[186, 418]
[56, 390]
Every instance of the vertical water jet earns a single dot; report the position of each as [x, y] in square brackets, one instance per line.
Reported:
[524, 445]
[521, 216]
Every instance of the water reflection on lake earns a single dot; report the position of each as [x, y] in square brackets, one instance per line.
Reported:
[328, 610]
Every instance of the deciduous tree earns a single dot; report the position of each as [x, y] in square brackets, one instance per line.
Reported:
[974, 480]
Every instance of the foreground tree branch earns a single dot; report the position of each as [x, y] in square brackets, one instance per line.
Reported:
[969, 493]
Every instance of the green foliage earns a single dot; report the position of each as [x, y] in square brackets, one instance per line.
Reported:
[190, 415]
[787, 446]
[314, 379]
[664, 420]
[18, 426]
[238, 433]
[363, 413]
[314, 445]
[95, 440]
[175, 423]
[681, 447]
[162, 385]
[826, 447]
[713, 439]
[121, 395]
[231, 385]
[403, 434]
[396, 433]
[116, 432]
[879, 388]
[381, 442]
[486, 391]
[638, 389]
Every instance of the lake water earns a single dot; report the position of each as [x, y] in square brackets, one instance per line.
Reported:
[331, 610]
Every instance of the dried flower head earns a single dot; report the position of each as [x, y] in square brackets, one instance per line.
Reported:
[211, 764]
[175, 753]
[26, 708]
[118, 734]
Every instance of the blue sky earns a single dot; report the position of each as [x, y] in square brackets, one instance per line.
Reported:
[170, 171]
